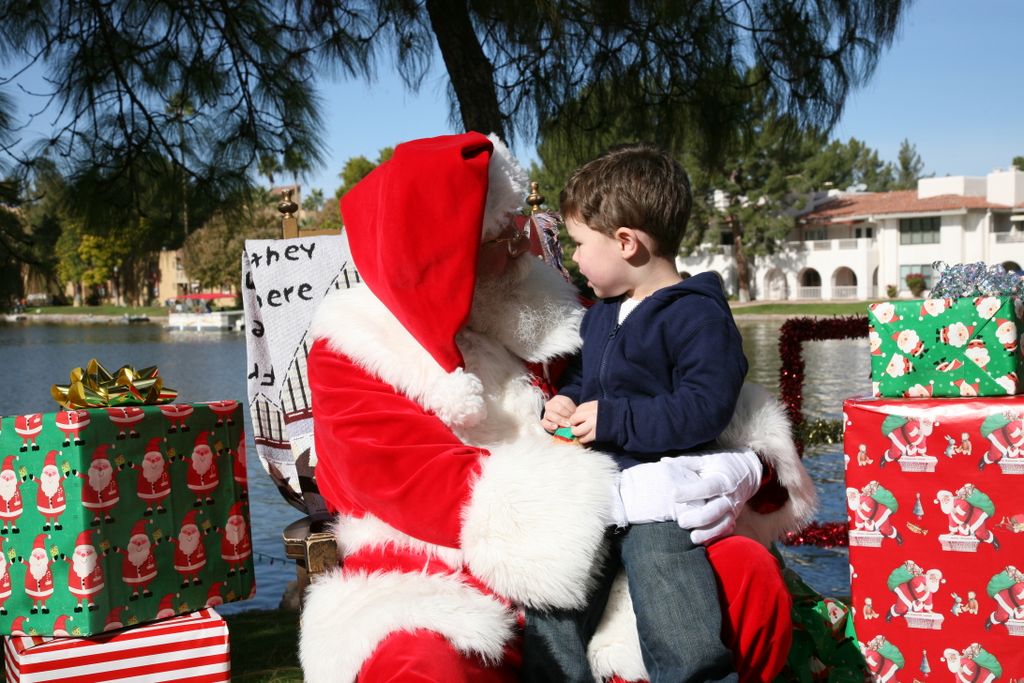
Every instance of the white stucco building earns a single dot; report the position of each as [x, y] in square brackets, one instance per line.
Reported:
[854, 245]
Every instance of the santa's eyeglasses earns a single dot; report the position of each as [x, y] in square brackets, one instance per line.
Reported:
[517, 242]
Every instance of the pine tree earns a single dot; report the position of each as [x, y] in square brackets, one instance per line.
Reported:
[925, 668]
[918, 508]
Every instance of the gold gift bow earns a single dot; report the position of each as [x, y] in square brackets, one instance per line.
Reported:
[96, 387]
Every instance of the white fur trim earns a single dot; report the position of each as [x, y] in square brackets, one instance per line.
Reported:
[760, 423]
[346, 617]
[534, 524]
[354, 534]
[506, 188]
[355, 323]
[615, 648]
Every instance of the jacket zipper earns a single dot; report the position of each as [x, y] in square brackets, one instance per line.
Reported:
[604, 358]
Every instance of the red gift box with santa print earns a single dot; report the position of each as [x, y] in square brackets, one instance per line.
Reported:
[192, 647]
[936, 531]
[121, 515]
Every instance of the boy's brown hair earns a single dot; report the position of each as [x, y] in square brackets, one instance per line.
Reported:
[636, 186]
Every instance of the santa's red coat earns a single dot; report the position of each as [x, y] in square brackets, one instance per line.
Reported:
[83, 587]
[136, 575]
[11, 508]
[426, 516]
[235, 552]
[205, 482]
[51, 505]
[39, 589]
[102, 500]
[153, 491]
[189, 563]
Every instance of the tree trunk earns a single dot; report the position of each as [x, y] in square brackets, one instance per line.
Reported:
[470, 72]
[742, 267]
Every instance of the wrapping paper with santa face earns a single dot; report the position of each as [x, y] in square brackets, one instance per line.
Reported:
[936, 521]
[121, 515]
[192, 647]
[946, 347]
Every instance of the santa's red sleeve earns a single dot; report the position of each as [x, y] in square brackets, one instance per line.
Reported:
[381, 453]
[528, 514]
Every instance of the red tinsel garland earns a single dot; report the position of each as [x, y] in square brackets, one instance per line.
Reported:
[792, 336]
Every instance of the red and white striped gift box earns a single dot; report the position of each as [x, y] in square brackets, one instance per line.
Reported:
[192, 648]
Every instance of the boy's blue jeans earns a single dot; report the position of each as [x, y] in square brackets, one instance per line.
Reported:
[675, 598]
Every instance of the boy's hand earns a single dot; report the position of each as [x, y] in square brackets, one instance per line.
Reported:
[557, 412]
[584, 422]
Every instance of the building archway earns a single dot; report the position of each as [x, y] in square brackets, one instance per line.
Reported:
[810, 284]
[775, 287]
[844, 283]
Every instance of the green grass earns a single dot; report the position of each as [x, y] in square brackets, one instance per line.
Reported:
[796, 310]
[264, 646]
[151, 311]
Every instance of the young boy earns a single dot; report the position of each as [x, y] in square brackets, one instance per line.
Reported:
[660, 372]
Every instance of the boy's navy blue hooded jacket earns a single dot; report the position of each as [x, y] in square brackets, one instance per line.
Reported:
[666, 379]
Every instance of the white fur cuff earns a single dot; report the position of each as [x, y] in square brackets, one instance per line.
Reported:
[536, 520]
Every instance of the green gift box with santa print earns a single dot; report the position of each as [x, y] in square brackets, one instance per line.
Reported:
[113, 516]
[946, 347]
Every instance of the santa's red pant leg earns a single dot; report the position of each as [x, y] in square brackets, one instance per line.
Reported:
[425, 656]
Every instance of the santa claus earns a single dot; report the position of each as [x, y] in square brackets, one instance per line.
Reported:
[202, 477]
[166, 608]
[913, 589]
[238, 469]
[85, 573]
[50, 499]
[177, 414]
[154, 482]
[11, 505]
[454, 505]
[235, 544]
[1006, 334]
[5, 581]
[974, 665]
[873, 507]
[1007, 590]
[883, 659]
[968, 511]
[225, 411]
[100, 491]
[38, 576]
[213, 596]
[126, 418]
[138, 567]
[1005, 434]
[956, 334]
[189, 551]
[909, 437]
[72, 423]
[28, 428]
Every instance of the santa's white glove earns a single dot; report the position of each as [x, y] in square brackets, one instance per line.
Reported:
[726, 480]
[701, 491]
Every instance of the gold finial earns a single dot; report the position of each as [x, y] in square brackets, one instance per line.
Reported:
[289, 223]
[535, 199]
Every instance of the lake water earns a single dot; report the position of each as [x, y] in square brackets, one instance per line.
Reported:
[209, 366]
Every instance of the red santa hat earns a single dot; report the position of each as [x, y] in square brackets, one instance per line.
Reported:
[236, 509]
[139, 529]
[202, 440]
[51, 460]
[214, 591]
[61, 623]
[415, 224]
[9, 463]
[101, 452]
[154, 445]
[18, 625]
[84, 538]
[114, 618]
[40, 542]
[190, 518]
[166, 603]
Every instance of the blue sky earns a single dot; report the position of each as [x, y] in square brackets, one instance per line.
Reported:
[952, 83]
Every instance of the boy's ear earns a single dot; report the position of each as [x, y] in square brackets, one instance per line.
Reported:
[629, 242]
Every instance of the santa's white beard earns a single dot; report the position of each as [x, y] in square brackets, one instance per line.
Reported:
[235, 530]
[201, 460]
[188, 539]
[138, 553]
[84, 565]
[49, 482]
[8, 486]
[521, 306]
[152, 470]
[99, 479]
[38, 565]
